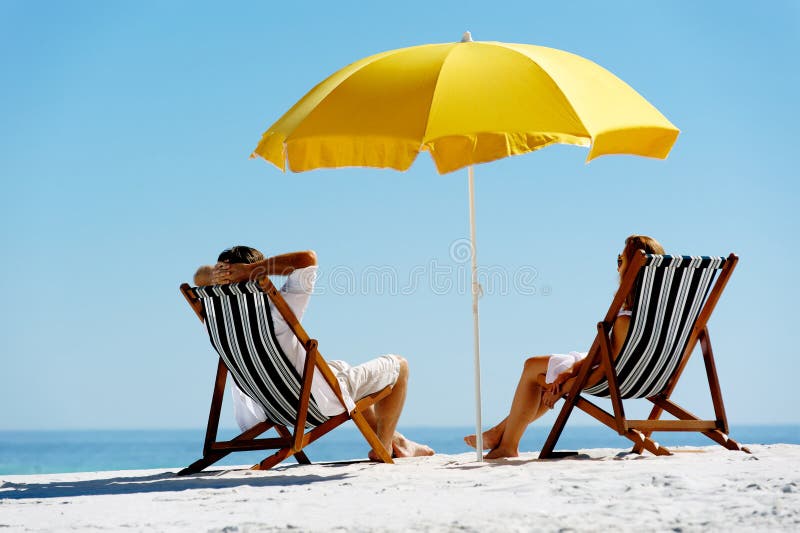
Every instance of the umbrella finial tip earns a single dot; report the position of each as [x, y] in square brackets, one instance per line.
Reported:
[467, 37]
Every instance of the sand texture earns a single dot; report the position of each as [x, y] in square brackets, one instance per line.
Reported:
[697, 489]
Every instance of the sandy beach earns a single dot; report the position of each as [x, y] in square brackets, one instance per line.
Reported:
[697, 489]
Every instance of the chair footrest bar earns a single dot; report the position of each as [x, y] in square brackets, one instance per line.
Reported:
[255, 444]
[672, 425]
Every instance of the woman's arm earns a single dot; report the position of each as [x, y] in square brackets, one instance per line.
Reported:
[618, 334]
[552, 392]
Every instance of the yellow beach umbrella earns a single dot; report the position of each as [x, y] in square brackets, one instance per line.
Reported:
[464, 103]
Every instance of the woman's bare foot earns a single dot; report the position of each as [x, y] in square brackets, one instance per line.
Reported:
[501, 453]
[491, 438]
[403, 447]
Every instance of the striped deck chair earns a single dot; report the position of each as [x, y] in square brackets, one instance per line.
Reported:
[240, 327]
[674, 297]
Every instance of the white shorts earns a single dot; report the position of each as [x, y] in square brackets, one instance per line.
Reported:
[367, 378]
[560, 363]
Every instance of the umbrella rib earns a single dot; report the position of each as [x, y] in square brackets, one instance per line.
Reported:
[424, 139]
[276, 128]
[556, 86]
[569, 107]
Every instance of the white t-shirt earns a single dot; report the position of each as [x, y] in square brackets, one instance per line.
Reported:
[297, 292]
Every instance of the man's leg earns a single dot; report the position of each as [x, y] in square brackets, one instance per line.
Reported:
[387, 411]
[384, 415]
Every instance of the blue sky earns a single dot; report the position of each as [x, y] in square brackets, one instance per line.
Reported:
[125, 130]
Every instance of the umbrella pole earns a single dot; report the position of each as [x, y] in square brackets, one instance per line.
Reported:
[476, 289]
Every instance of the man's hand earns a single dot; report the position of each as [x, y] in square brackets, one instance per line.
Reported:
[279, 265]
[231, 273]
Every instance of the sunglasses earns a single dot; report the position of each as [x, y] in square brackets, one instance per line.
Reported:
[619, 261]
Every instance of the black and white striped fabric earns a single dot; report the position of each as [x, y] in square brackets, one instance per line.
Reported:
[240, 327]
[668, 295]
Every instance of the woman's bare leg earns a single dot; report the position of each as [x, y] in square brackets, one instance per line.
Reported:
[533, 367]
[493, 436]
[526, 407]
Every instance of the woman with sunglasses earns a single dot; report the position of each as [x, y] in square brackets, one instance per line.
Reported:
[544, 377]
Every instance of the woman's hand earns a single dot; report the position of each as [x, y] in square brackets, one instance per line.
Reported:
[551, 392]
[555, 391]
[551, 396]
[563, 378]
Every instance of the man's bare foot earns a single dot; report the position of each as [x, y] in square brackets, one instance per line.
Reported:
[374, 456]
[403, 447]
[500, 453]
[491, 438]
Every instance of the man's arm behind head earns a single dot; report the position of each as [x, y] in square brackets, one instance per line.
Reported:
[280, 265]
[203, 275]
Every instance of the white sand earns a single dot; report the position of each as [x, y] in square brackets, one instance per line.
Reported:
[698, 489]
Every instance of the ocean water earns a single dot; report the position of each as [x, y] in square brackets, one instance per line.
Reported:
[42, 452]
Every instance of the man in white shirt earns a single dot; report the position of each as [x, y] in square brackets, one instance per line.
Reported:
[242, 263]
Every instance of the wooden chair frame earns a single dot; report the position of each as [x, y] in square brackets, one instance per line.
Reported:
[640, 431]
[288, 442]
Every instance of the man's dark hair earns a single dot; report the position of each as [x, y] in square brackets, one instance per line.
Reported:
[240, 254]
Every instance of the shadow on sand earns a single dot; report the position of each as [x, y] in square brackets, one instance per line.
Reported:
[159, 482]
[573, 456]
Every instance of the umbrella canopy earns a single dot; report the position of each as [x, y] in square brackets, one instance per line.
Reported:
[465, 103]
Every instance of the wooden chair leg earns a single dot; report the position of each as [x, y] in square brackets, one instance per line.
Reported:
[300, 456]
[663, 403]
[210, 458]
[273, 459]
[216, 406]
[212, 427]
[372, 438]
[705, 346]
[655, 414]
[307, 439]
[202, 463]
[724, 440]
[713, 382]
[569, 402]
[603, 335]
[639, 439]
[550, 444]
